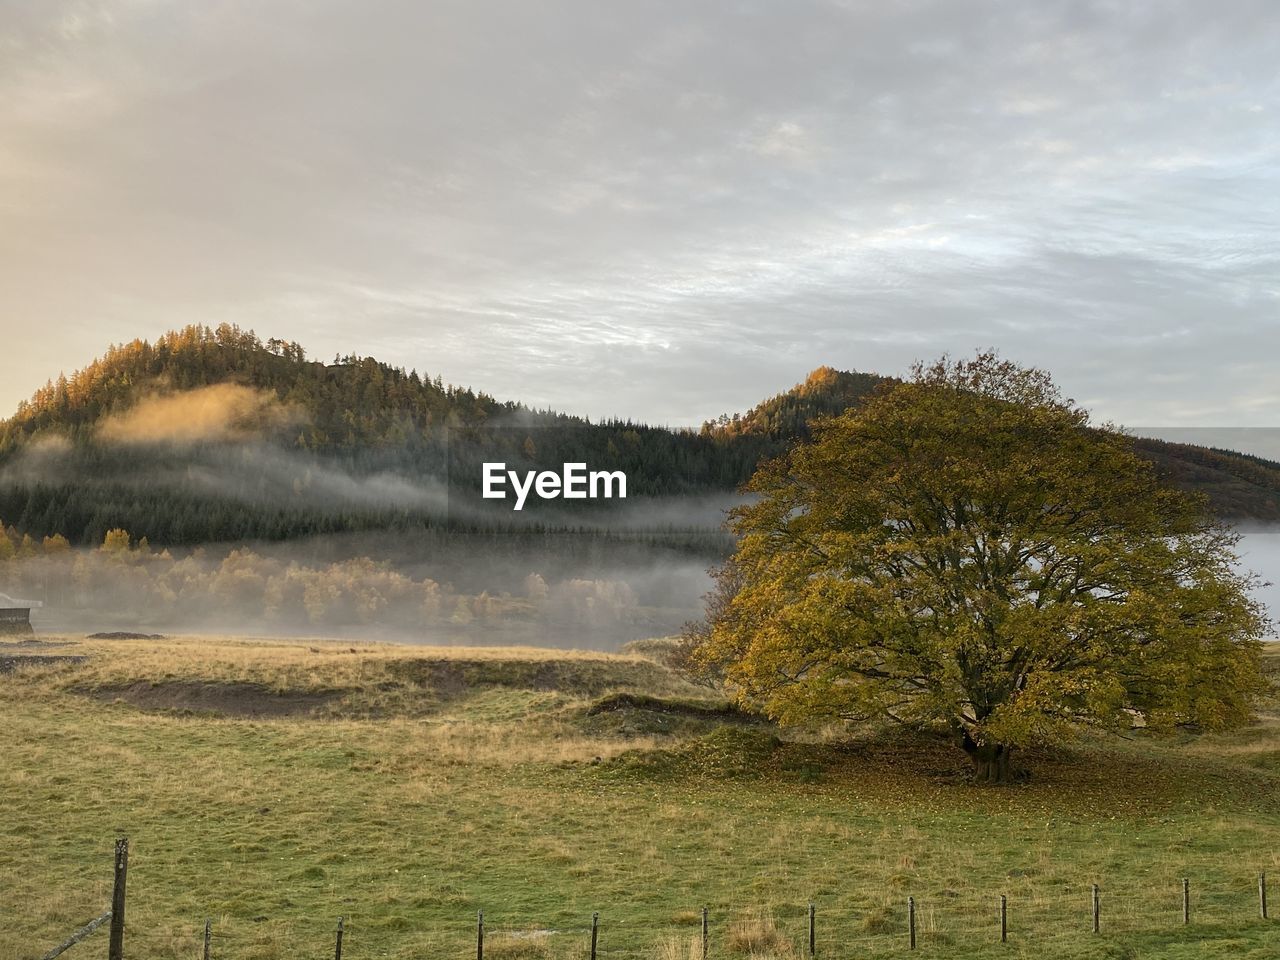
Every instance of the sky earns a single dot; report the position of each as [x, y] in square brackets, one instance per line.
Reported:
[656, 210]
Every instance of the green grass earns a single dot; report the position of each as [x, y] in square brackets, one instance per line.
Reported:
[506, 796]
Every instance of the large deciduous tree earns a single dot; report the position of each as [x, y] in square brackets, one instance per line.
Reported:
[967, 553]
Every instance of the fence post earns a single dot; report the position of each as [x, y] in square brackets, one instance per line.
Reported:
[208, 935]
[1262, 894]
[1004, 919]
[813, 932]
[115, 949]
[595, 933]
[480, 935]
[337, 950]
[1097, 908]
[705, 933]
[1186, 900]
[911, 920]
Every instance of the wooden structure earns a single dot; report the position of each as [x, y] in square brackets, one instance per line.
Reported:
[15, 616]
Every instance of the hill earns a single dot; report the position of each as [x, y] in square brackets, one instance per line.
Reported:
[1239, 486]
[786, 416]
[216, 435]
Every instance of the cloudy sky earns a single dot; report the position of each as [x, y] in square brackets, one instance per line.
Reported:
[656, 210]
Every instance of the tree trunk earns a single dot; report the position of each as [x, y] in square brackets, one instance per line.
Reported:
[990, 760]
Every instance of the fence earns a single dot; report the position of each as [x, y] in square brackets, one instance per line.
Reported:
[880, 926]
[113, 916]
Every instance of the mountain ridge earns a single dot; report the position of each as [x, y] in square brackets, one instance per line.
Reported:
[215, 434]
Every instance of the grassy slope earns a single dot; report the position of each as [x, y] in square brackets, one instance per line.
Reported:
[412, 800]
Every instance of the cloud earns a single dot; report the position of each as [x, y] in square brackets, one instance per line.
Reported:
[660, 210]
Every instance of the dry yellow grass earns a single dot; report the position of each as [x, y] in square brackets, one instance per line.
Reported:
[679, 948]
[495, 746]
[375, 680]
[519, 945]
[293, 664]
[756, 935]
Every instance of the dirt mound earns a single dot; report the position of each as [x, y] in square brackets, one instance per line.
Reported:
[684, 708]
[627, 715]
[224, 699]
[126, 635]
[730, 751]
[454, 677]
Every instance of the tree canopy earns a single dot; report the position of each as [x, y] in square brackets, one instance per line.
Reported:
[966, 553]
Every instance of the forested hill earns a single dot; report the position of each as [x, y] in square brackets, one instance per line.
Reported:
[216, 435]
[213, 435]
[349, 404]
[786, 417]
[1239, 486]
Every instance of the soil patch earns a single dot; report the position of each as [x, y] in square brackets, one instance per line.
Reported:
[224, 699]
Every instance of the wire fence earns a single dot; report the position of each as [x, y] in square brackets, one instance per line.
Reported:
[1051, 920]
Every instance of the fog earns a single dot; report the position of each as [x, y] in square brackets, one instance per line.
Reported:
[219, 412]
[418, 558]
[253, 473]
[457, 570]
[459, 594]
[554, 590]
[1260, 554]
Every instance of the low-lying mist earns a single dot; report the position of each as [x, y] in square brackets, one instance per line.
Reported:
[596, 595]
[180, 515]
[1260, 554]
[553, 590]
[258, 538]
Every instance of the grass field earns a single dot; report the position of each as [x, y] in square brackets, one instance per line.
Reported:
[275, 786]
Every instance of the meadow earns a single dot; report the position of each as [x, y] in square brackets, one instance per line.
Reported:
[274, 786]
